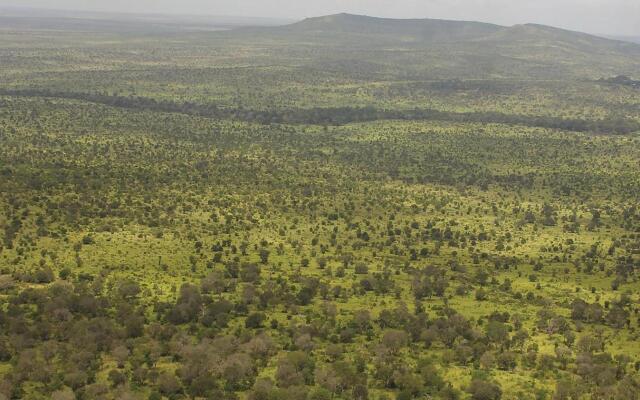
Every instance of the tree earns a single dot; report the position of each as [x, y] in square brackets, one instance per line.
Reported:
[394, 340]
[360, 392]
[255, 320]
[497, 332]
[116, 378]
[188, 305]
[63, 394]
[484, 390]
[295, 368]
[264, 256]
[134, 326]
[250, 272]
[121, 354]
[507, 361]
[567, 390]
[168, 384]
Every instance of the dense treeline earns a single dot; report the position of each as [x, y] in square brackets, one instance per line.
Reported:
[340, 115]
[417, 153]
[621, 80]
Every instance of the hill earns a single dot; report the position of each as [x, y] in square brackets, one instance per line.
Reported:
[406, 30]
[438, 49]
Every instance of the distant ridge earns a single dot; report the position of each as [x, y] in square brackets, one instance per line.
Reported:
[363, 46]
[438, 30]
[407, 29]
[27, 18]
[630, 39]
[445, 48]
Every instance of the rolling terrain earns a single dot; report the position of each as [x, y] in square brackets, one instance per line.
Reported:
[345, 207]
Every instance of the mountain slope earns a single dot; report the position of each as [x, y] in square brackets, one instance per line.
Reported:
[432, 48]
[560, 50]
[535, 34]
[405, 29]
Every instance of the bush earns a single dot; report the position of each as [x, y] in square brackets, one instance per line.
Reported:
[484, 390]
[254, 321]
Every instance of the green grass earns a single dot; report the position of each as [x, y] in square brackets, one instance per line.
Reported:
[117, 194]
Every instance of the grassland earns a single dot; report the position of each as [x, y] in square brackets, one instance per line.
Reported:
[297, 213]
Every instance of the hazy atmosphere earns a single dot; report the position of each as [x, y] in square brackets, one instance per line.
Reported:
[615, 17]
[319, 200]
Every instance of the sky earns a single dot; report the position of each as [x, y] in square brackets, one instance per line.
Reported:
[612, 17]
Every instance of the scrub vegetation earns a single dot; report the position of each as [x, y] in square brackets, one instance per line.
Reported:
[343, 208]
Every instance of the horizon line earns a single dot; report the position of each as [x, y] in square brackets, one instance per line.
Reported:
[292, 20]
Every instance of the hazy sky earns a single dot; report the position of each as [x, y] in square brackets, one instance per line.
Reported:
[619, 17]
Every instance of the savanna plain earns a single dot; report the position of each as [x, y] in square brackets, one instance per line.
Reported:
[342, 208]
